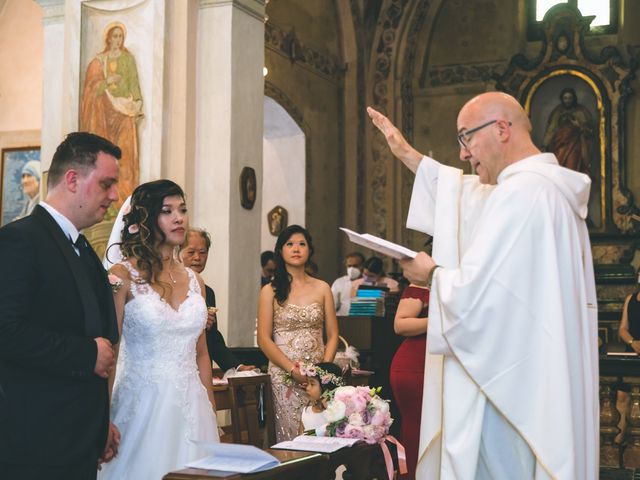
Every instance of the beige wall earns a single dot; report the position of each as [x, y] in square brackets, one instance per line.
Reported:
[21, 41]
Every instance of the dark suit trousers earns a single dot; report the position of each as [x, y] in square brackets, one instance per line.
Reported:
[86, 471]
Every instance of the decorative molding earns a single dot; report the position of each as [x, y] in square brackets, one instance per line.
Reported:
[385, 51]
[563, 51]
[409, 68]
[52, 11]
[253, 8]
[468, 73]
[270, 90]
[406, 92]
[360, 82]
[290, 46]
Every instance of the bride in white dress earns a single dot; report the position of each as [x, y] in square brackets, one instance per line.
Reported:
[162, 398]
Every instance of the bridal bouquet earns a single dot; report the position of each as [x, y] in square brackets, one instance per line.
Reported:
[356, 412]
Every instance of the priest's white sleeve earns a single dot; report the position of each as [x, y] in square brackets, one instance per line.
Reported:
[422, 208]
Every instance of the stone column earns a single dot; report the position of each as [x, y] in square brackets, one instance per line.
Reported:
[229, 118]
[53, 78]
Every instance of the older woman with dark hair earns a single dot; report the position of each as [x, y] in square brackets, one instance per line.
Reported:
[293, 311]
[195, 253]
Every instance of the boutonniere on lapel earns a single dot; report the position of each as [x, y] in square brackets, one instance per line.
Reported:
[115, 282]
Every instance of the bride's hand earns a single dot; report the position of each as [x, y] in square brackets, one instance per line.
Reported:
[111, 447]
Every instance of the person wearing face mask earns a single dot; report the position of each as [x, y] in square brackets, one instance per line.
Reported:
[373, 274]
[341, 288]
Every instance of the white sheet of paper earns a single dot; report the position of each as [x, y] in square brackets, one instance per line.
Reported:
[309, 443]
[380, 245]
[230, 457]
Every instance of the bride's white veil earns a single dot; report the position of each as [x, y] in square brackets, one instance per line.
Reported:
[114, 255]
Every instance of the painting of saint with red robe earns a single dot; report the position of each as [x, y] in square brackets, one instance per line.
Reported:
[111, 103]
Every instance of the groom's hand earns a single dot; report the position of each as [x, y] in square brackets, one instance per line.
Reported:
[105, 359]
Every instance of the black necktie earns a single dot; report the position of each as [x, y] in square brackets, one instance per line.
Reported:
[89, 265]
[83, 246]
[86, 257]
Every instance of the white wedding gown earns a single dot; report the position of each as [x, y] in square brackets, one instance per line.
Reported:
[159, 403]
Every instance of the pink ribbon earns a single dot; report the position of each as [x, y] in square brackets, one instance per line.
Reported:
[388, 461]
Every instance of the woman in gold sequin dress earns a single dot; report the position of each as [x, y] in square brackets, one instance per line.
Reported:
[293, 310]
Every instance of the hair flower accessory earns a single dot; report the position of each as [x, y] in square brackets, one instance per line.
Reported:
[115, 282]
[133, 228]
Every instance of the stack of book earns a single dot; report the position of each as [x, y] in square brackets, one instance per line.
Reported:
[368, 302]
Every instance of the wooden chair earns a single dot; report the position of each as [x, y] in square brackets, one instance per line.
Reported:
[252, 412]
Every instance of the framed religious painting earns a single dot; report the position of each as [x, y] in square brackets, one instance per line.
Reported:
[277, 220]
[20, 179]
[576, 103]
[567, 114]
[248, 186]
[576, 100]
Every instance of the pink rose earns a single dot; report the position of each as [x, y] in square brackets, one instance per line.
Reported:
[379, 418]
[352, 431]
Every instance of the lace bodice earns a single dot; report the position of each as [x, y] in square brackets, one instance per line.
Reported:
[158, 340]
[159, 403]
[297, 329]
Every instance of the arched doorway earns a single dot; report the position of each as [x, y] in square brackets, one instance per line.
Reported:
[283, 169]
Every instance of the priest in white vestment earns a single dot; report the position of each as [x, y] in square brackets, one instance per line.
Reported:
[511, 378]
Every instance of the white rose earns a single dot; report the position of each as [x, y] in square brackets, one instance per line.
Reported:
[355, 419]
[335, 411]
[380, 405]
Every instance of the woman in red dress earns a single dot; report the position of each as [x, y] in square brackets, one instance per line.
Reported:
[407, 369]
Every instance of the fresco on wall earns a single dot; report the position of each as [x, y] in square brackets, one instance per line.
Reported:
[111, 103]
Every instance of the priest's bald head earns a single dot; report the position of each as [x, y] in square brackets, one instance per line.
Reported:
[494, 132]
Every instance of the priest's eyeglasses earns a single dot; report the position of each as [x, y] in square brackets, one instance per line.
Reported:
[464, 137]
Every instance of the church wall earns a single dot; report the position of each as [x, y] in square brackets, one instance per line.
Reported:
[21, 46]
[630, 35]
[470, 44]
[310, 84]
[468, 38]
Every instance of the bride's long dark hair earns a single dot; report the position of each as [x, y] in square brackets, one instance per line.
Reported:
[141, 232]
[281, 282]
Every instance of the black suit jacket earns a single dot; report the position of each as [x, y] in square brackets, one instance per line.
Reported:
[54, 410]
[218, 350]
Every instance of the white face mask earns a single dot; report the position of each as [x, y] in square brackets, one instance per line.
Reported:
[353, 273]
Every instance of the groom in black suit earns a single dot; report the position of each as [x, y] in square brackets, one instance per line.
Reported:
[58, 323]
